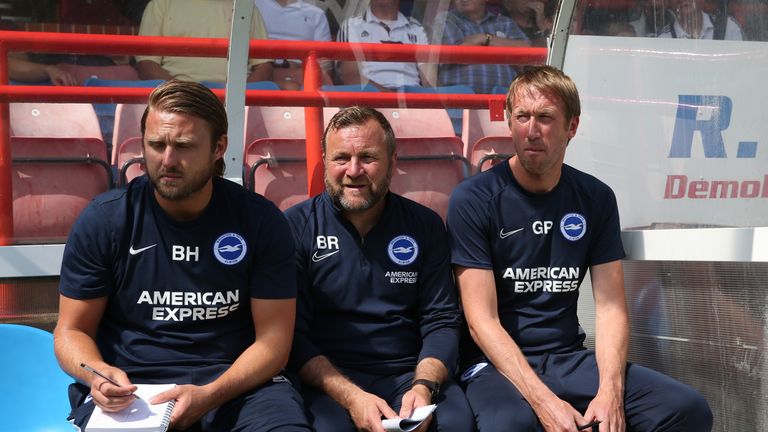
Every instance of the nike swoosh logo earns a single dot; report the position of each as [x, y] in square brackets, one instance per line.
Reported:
[133, 251]
[504, 235]
[318, 258]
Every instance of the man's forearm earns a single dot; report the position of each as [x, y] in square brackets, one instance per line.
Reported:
[73, 347]
[255, 366]
[611, 346]
[320, 373]
[510, 361]
[149, 70]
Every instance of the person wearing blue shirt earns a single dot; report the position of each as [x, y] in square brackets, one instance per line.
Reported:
[470, 24]
[181, 278]
[378, 320]
[523, 236]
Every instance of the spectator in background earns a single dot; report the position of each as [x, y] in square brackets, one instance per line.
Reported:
[132, 9]
[294, 20]
[650, 18]
[195, 18]
[22, 70]
[534, 17]
[470, 24]
[689, 21]
[382, 22]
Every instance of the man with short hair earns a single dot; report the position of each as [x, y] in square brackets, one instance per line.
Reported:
[181, 278]
[523, 235]
[470, 24]
[382, 22]
[377, 327]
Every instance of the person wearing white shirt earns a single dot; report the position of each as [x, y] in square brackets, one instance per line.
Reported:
[294, 20]
[691, 22]
[382, 22]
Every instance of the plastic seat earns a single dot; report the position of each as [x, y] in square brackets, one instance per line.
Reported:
[365, 88]
[34, 396]
[37, 119]
[419, 122]
[276, 168]
[428, 169]
[130, 161]
[455, 114]
[488, 151]
[257, 85]
[53, 179]
[477, 125]
[278, 122]
[107, 112]
[127, 127]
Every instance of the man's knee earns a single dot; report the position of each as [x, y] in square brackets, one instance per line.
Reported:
[694, 413]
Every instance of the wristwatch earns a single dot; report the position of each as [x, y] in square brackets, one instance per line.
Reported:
[434, 387]
[487, 40]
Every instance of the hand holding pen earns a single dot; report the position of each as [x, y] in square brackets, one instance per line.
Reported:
[110, 400]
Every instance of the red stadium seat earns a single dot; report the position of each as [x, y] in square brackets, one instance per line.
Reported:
[130, 160]
[276, 168]
[53, 179]
[428, 169]
[36, 119]
[278, 122]
[490, 150]
[418, 122]
[477, 125]
[127, 126]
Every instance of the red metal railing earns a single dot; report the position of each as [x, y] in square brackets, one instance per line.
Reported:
[311, 98]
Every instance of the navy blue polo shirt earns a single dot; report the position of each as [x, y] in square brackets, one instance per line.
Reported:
[539, 246]
[179, 293]
[378, 303]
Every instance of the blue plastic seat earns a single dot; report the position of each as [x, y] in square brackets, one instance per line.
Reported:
[34, 396]
[256, 85]
[367, 88]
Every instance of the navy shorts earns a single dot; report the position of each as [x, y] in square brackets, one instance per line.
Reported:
[273, 407]
[451, 415]
[652, 401]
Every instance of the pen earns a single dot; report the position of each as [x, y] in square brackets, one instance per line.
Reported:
[94, 371]
[593, 425]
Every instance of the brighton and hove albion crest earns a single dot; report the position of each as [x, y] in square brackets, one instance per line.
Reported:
[403, 250]
[230, 248]
[573, 226]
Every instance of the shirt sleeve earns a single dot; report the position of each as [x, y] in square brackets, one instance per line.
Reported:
[452, 34]
[303, 349]
[322, 29]
[152, 25]
[438, 304]
[86, 265]
[468, 229]
[258, 31]
[606, 245]
[273, 261]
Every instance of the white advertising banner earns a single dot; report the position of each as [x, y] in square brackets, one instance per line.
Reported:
[678, 128]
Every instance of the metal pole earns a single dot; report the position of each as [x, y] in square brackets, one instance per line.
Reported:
[314, 127]
[237, 70]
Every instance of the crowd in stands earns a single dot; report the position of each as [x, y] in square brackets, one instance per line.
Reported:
[464, 22]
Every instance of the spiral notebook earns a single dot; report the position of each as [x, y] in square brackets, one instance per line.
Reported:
[140, 416]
